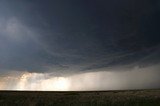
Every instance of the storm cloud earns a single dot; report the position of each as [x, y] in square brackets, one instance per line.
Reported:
[70, 38]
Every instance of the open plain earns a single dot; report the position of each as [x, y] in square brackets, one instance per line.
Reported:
[81, 98]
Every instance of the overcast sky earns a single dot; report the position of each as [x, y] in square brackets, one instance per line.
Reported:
[47, 39]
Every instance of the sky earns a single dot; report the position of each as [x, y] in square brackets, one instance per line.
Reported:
[79, 44]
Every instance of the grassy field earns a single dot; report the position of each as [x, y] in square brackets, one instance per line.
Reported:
[81, 98]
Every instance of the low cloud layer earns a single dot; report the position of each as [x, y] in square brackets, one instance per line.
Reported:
[138, 78]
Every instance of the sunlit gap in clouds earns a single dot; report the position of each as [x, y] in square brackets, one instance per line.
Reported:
[38, 81]
[138, 78]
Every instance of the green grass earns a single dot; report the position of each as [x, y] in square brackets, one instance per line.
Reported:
[86, 98]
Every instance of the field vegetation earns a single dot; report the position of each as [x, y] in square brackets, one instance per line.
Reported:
[81, 98]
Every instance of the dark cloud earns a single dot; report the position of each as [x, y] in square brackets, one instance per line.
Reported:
[42, 36]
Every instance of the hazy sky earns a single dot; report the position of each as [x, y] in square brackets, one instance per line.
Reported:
[79, 44]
